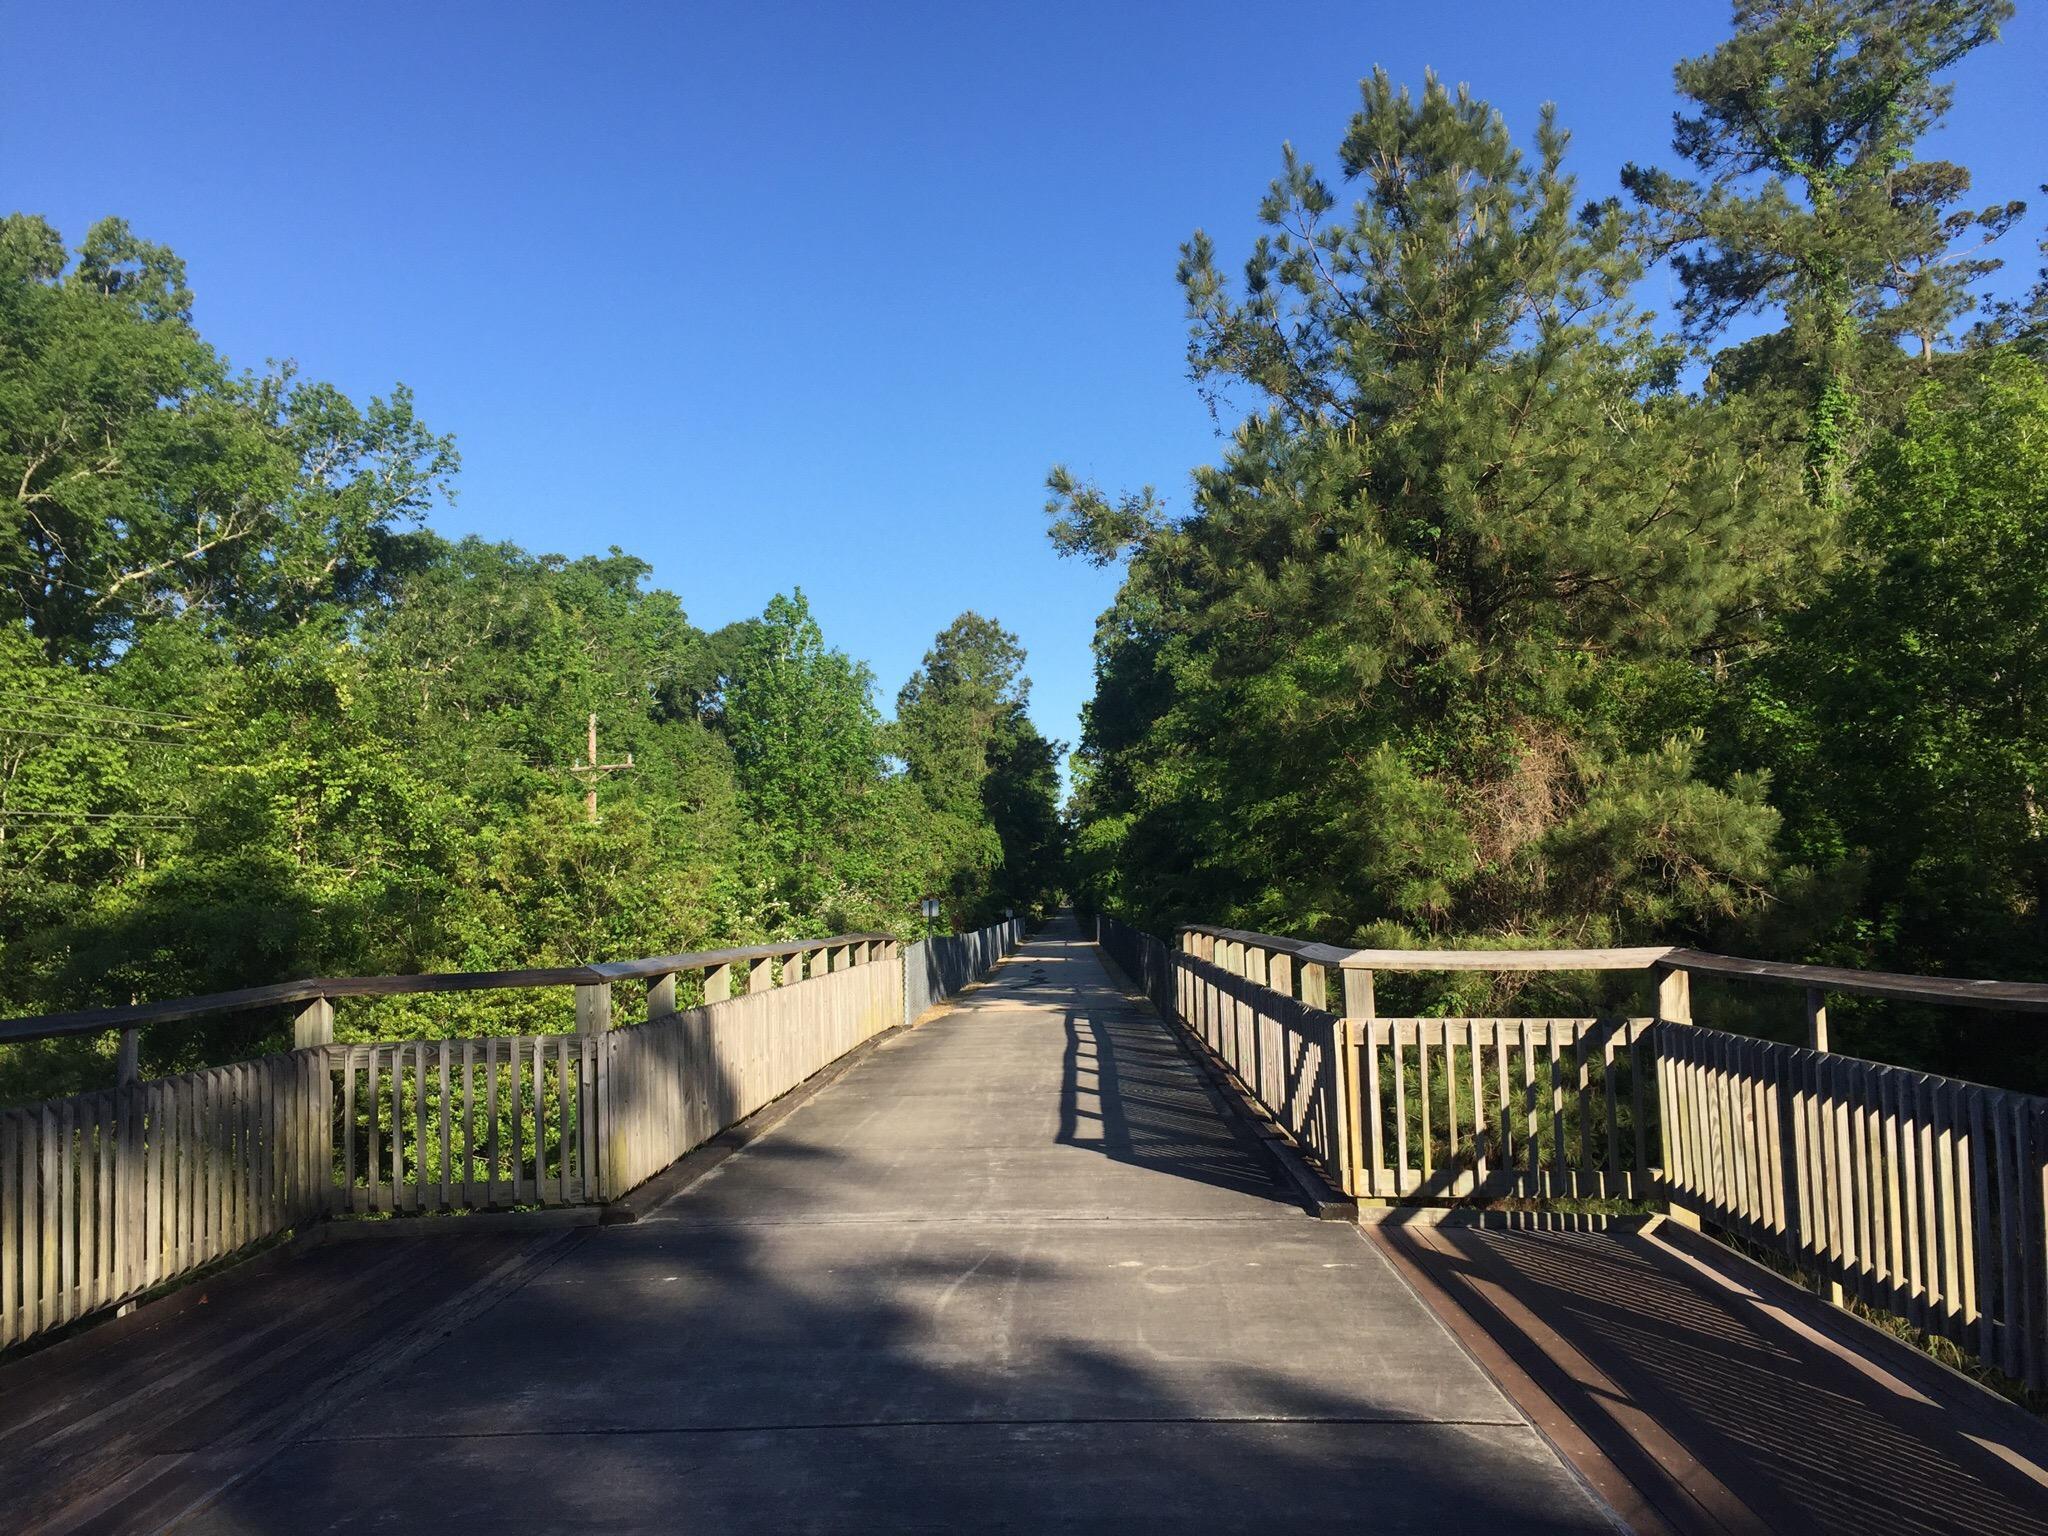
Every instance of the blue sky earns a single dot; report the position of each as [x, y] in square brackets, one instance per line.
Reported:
[776, 294]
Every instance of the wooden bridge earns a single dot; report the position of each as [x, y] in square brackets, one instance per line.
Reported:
[769, 1256]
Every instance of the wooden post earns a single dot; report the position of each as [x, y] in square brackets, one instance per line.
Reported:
[1280, 973]
[1361, 1007]
[757, 976]
[1674, 1006]
[718, 984]
[127, 1061]
[661, 996]
[594, 1008]
[1674, 994]
[314, 1024]
[1817, 1040]
[1359, 1002]
[1315, 986]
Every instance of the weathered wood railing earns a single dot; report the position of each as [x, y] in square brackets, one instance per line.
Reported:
[1921, 1195]
[106, 1195]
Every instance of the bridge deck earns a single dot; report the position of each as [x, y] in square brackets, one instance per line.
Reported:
[1015, 1269]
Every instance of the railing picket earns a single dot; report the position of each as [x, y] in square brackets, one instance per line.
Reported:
[1531, 1139]
[1375, 1131]
[1504, 1121]
[1399, 1088]
[444, 1186]
[564, 1108]
[1473, 1052]
[540, 1122]
[491, 1121]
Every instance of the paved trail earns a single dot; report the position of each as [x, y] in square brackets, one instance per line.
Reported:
[1014, 1270]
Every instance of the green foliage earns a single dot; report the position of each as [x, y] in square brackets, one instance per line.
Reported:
[1487, 630]
[143, 481]
[992, 781]
[1812, 206]
[1386, 678]
[257, 723]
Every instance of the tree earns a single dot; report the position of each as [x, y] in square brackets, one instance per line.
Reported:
[1811, 205]
[140, 480]
[1391, 672]
[991, 780]
[806, 744]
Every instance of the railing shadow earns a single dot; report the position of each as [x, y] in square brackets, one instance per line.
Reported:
[1128, 1092]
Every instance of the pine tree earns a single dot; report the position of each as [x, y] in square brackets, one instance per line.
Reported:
[1393, 666]
[1810, 205]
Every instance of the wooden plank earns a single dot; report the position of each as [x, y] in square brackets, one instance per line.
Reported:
[1398, 1087]
[1554, 1185]
[1473, 1053]
[156, 1227]
[1375, 1129]
[14, 1239]
[64, 1163]
[517, 1109]
[2031, 1313]
[1848, 1230]
[1531, 1140]
[1504, 1132]
[445, 1186]
[420, 1132]
[1973, 1202]
[1612, 1125]
[540, 1123]
[490, 1064]
[1949, 1220]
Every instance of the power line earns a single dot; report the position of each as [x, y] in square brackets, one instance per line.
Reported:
[7, 815]
[75, 732]
[95, 707]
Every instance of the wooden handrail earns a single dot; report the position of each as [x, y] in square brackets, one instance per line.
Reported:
[1951, 992]
[284, 994]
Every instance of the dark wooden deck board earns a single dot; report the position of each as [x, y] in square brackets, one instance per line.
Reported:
[1765, 1409]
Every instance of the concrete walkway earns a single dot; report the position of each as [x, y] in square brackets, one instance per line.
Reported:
[1015, 1270]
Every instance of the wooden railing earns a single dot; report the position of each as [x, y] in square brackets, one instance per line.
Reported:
[1924, 1196]
[106, 1195]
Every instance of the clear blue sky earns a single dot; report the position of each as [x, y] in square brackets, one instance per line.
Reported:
[775, 294]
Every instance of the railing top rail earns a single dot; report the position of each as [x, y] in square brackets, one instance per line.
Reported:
[1948, 991]
[1636, 959]
[87, 1021]
[1945, 991]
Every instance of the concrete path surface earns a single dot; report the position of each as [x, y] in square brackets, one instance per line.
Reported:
[1016, 1270]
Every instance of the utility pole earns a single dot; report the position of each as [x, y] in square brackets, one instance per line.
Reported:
[590, 765]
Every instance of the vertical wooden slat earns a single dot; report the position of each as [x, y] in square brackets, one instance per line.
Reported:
[421, 1135]
[1532, 1140]
[13, 1237]
[1398, 1089]
[1425, 1148]
[36, 1223]
[1472, 1047]
[1985, 1238]
[469, 1200]
[565, 1107]
[1375, 1131]
[490, 1120]
[540, 1122]
[1560, 1160]
[1949, 1223]
[445, 1185]
[1612, 1124]
[373, 1145]
[66, 1165]
[1503, 1132]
